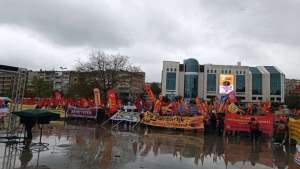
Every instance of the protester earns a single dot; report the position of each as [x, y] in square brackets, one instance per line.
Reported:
[254, 129]
[213, 122]
[207, 123]
[281, 130]
[220, 124]
[29, 124]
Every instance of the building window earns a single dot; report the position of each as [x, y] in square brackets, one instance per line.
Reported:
[257, 84]
[167, 69]
[191, 65]
[191, 80]
[171, 81]
[207, 71]
[201, 68]
[222, 71]
[229, 71]
[278, 99]
[181, 67]
[237, 72]
[190, 86]
[272, 99]
[259, 98]
[211, 82]
[174, 69]
[253, 98]
[275, 84]
[240, 83]
[225, 71]
[215, 71]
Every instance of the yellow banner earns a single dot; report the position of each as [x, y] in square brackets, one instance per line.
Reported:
[294, 129]
[183, 122]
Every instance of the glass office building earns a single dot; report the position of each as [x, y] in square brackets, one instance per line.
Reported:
[208, 81]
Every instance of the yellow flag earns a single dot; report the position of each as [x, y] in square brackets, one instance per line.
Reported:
[232, 108]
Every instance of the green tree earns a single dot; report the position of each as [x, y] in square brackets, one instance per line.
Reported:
[41, 87]
[83, 87]
[155, 87]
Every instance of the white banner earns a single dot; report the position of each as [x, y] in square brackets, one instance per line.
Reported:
[126, 116]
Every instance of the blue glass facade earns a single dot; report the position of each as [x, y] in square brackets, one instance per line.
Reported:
[256, 81]
[171, 81]
[211, 82]
[240, 83]
[275, 80]
[190, 86]
[191, 67]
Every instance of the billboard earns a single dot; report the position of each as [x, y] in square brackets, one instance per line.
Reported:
[226, 83]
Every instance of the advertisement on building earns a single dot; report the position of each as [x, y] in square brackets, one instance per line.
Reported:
[226, 83]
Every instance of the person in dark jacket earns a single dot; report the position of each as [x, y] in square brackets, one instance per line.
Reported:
[254, 129]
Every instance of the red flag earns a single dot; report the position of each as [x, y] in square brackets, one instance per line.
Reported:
[112, 102]
[157, 106]
[57, 98]
[138, 104]
[149, 93]
[83, 102]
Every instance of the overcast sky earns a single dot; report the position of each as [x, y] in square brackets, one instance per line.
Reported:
[51, 33]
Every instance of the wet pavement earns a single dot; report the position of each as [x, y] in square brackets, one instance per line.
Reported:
[91, 147]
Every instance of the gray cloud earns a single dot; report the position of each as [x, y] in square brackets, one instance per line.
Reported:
[57, 32]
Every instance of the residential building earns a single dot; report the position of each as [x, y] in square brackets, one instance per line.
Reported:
[292, 87]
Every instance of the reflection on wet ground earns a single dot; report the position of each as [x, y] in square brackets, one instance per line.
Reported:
[91, 147]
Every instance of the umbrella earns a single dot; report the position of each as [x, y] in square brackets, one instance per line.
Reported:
[40, 116]
[37, 116]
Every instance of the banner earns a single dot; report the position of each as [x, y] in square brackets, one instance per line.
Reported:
[149, 93]
[4, 111]
[126, 116]
[97, 97]
[82, 112]
[294, 129]
[29, 101]
[183, 122]
[235, 122]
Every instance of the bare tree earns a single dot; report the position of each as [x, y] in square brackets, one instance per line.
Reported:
[106, 68]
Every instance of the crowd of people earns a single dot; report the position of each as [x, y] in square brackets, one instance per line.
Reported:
[214, 114]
